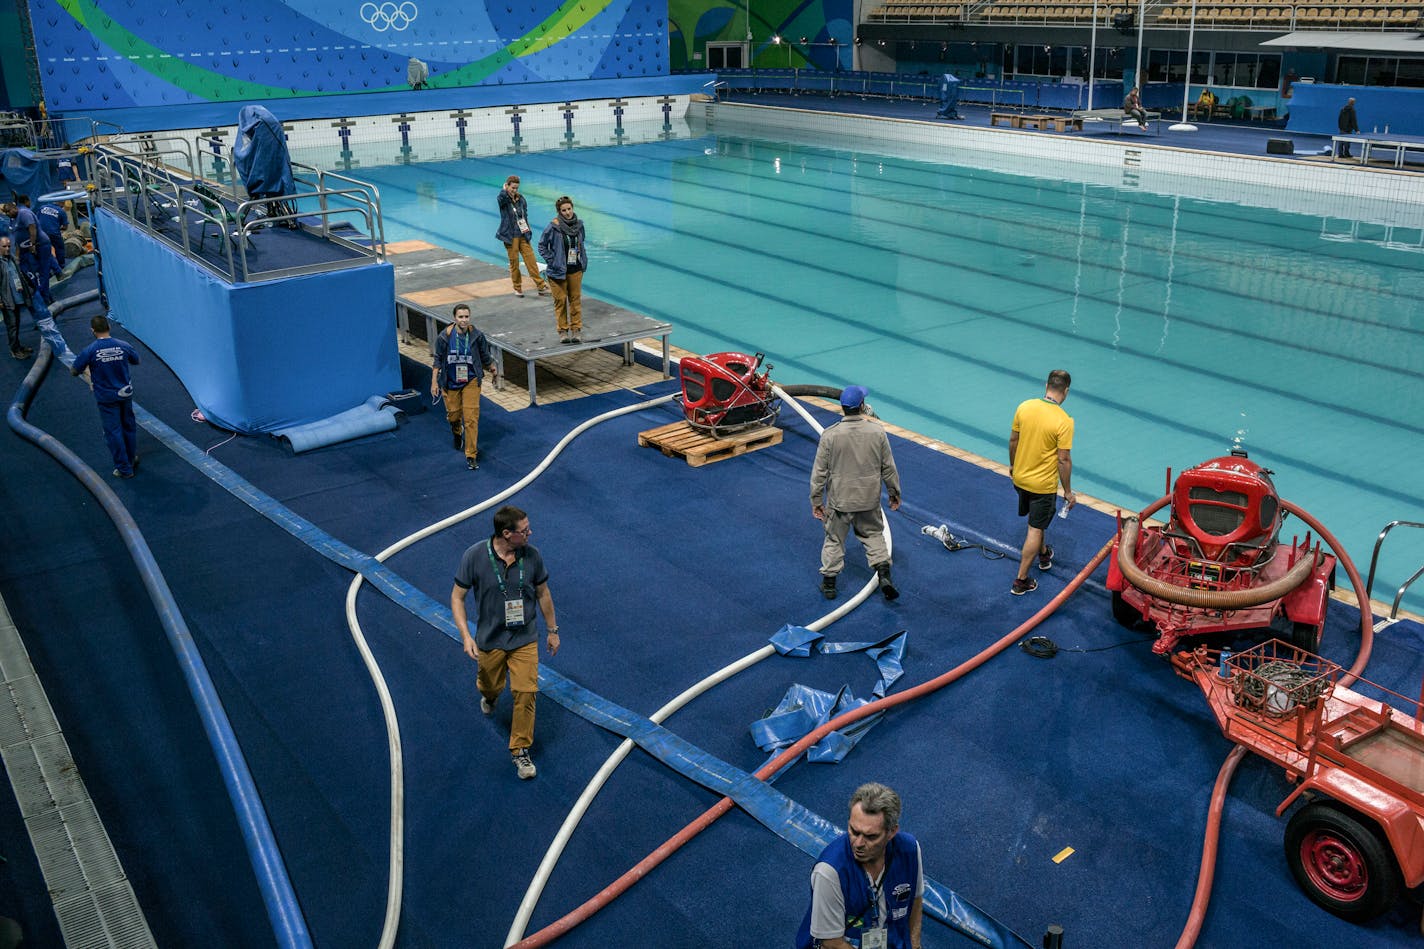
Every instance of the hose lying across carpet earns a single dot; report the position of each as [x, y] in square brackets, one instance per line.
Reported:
[285, 914]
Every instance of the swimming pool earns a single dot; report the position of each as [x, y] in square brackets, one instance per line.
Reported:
[951, 290]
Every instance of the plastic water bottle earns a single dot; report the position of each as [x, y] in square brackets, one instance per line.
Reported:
[940, 533]
[1063, 512]
[1224, 670]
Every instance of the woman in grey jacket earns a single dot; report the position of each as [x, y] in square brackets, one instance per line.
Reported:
[563, 248]
[515, 234]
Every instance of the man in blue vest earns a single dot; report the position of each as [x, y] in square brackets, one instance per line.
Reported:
[868, 887]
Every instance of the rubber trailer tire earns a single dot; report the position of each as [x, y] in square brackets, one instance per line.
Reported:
[1342, 862]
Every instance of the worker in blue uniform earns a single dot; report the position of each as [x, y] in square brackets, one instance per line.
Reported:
[53, 221]
[108, 361]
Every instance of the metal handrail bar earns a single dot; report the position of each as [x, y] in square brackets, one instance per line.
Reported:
[1374, 561]
[197, 203]
[148, 150]
[215, 150]
[372, 201]
[363, 205]
[251, 224]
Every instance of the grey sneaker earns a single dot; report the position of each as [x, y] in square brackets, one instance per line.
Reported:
[486, 706]
[523, 765]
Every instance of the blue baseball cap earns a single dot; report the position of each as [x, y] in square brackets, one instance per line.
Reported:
[852, 396]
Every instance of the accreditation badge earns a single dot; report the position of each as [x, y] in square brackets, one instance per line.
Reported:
[875, 939]
[514, 612]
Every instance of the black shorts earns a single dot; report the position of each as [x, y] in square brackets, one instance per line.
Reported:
[1038, 507]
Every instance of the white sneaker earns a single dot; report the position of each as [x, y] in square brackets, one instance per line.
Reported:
[486, 706]
[523, 764]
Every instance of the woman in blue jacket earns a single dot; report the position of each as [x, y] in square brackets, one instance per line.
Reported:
[563, 250]
[514, 233]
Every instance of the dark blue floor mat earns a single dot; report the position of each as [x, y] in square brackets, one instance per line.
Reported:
[661, 574]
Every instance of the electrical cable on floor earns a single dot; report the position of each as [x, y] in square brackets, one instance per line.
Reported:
[1041, 647]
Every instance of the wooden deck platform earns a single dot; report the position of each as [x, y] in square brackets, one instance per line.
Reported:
[430, 280]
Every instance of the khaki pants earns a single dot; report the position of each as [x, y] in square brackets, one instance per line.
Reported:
[462, 411]
[568, 302]
[869, 527]
[519, 247]
[523, 668]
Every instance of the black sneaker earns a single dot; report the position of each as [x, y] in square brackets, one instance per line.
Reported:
[1045, 558]
[523, 764]
[828, 587]
[120, 474]
[1021, 587]
[472, 464]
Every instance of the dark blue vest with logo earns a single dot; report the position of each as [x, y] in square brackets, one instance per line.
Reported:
[899, 881]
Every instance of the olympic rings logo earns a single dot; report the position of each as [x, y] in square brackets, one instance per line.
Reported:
[389, 16]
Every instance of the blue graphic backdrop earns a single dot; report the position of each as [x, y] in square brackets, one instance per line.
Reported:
[113, 54]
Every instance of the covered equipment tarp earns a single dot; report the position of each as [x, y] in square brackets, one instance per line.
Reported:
[948, 96]
[260, 154]
[28, 173]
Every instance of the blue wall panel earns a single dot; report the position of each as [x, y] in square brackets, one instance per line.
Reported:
[109, 54]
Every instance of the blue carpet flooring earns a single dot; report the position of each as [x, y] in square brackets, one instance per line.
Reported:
[661, 574]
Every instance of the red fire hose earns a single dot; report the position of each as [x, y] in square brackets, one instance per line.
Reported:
[615, 889]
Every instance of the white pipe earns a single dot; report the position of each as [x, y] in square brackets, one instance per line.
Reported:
[1185, 125]
[1092, 54]
[595, 784]
[397, 835]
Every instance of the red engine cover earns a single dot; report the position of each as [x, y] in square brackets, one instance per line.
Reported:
[1225, 501]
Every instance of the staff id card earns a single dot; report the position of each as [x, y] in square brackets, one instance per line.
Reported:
[520, 223]
[514, 612]
[875, 939]
[573, 255]
[462, 373]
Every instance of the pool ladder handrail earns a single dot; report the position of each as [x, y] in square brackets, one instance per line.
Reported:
[1374, 559]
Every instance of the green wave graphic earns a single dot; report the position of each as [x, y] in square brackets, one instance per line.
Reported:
[214, 86]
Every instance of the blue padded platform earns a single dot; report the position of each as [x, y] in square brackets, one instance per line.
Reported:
[255, 357]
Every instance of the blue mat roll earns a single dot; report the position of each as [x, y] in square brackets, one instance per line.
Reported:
[374, 415]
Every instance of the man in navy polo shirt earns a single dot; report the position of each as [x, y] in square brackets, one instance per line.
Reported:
[108, 361]
[508, 578]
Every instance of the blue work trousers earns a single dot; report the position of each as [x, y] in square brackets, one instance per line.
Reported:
[120, 433]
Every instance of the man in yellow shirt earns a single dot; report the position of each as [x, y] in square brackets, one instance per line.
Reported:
[1040, 458]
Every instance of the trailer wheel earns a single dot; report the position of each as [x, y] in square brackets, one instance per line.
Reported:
[1126, 614]
[1341, 862]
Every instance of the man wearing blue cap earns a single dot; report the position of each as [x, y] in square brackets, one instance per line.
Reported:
[852, 460]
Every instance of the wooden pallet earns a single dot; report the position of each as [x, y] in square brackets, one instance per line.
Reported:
[679, 439]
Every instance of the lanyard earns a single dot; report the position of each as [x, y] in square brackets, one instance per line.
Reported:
[875, 889]
[460, 342]
[500, 568]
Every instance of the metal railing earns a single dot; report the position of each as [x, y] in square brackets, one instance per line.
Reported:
[152, 181]
[1374, 561]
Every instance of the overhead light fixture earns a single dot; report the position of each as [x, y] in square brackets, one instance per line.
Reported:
[776, 40]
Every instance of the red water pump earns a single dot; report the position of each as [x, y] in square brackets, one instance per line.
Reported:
[1218, 567]
[727, 392]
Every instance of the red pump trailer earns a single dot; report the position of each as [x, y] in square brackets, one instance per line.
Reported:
[1360, 841]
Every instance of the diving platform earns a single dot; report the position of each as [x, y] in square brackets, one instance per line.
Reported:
[430, 280]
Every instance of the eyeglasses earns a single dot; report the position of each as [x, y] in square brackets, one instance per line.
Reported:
[524, 533]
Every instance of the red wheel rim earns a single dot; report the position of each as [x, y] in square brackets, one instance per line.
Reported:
[1334, 865]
